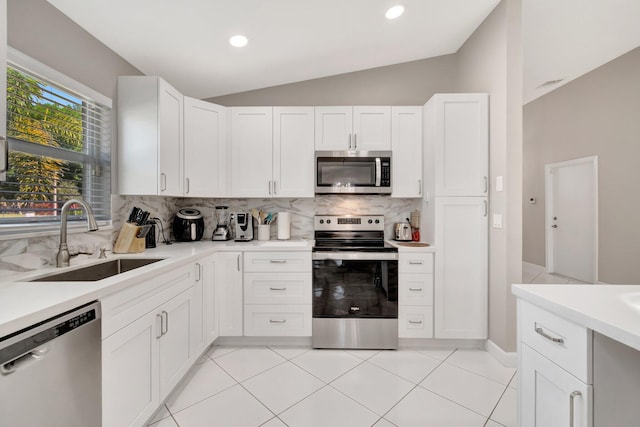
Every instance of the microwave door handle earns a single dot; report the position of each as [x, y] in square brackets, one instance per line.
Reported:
[378, 171]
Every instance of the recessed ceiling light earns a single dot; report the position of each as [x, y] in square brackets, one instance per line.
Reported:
[394, 12]
[238, 41]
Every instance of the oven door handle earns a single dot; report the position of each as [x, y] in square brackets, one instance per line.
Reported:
[356, 256]
[378, 171]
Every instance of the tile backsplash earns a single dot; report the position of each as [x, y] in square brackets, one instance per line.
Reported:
[19, 255]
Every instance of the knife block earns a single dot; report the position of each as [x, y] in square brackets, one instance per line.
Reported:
[127, 242]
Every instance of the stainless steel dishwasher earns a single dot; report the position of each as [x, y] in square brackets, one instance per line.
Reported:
[50, 373]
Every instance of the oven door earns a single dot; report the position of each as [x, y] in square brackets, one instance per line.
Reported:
[355, 285]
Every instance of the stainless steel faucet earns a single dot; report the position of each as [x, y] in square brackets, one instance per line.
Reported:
[62, 258]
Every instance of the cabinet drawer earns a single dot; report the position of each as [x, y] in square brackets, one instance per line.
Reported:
[415, 289]
[567, 344]
[277, 261]
[277, 288]
[277, 320]
[415, 322]
[415, 262]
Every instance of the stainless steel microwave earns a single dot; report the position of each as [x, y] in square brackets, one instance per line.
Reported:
[357, 172]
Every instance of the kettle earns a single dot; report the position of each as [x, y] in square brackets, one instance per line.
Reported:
[402, 231]
[188, 225]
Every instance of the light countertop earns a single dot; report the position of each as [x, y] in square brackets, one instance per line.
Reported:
[23, 303]
[611, 310]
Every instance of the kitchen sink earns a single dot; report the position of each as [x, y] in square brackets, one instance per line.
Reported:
[95, 272]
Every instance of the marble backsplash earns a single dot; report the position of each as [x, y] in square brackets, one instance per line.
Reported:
[19, 255]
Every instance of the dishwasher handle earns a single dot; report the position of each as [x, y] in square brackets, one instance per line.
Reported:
[25, 360]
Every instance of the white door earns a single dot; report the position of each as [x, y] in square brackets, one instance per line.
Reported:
[334, 128]
[205, 149]
[229, 293]
[171, 140]
[546, 394]
[293, 149]
[406, 141]
[371, 128]
[572, 218]
[461, 272]
[251, 151]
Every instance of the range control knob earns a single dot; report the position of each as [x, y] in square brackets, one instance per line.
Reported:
[328, 221]
[322, 221]
[377, 221]
[370, 221]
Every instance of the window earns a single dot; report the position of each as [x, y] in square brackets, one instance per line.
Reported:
[59, 146]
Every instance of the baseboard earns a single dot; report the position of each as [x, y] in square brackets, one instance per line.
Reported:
[435, 344]
[275, 341]
[534, 267]
[507, 359]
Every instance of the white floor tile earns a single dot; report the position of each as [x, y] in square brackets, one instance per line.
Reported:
[384, 423]
[327, 364]
[204, 358]
[246, 362]
[438, 353]
[423, 408]
[234, 407]
[550, 279]
[482, 363]
[529, 276]
[506, 413]
[328, 407]
[217, 351]
[373, 387]
[492, 423]
[290, 352]
[531, 271]
[410, 365]
[281, 387]
[167, 422]
[514, 381]
[207, 380]
[274, 422]
[162, 413]
[472, 391]
[363, 354]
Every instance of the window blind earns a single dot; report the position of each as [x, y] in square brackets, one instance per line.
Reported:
[59, 148]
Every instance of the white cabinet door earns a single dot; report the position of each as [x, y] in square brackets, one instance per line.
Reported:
[461, 144]
[371, 128]
[170, 140]
[210, 314]
[334, 128]
[130, 391]
[205, 149]
[293, 151]
[406, 143]
[229, 293]
[546, 394]
[461, 267]
[251, 151]
[174, 344]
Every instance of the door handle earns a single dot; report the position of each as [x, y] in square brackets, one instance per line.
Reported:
[238, 260]
[278, 261]
[166, 322]
[277, 321]
[486, 208]
[274, 188]
[419, 187]
[161, 324]
[541, 332]
[415, 322]
[349, 141]
[269, 187]
[187, 189]
[163, 182]
[415, 289]
[199, 269]
[554, 226]
[486, 184]
[572, 397]
[355, 141]
[277, 289]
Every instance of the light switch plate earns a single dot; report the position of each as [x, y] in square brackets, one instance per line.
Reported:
[499, 183]
[497, 220]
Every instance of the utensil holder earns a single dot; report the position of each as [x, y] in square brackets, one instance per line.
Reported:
[127, 242]
[264, 231]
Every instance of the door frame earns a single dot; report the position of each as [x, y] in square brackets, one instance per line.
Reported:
[593, 160]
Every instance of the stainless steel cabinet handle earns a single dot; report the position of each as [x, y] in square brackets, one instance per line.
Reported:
[541, 331]
[486, 208]
[415, 322]
[163, 182]
[486, 184]
[187, 185]
[415, 289]
[278, 261]
[161, 324]
[199, 269]
[166, 322]
[238, 260]
[416, 262]
[355, 141]
[419, 187]
[571, 399]
[349, 141]
[269, 187]
[277, 289]
[277, 321]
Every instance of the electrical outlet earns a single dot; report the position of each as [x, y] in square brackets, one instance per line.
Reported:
[497, 220]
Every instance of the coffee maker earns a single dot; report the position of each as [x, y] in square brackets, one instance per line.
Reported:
[223, 230]
[244, 227]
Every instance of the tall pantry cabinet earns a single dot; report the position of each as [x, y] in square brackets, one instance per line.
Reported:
[455, 211]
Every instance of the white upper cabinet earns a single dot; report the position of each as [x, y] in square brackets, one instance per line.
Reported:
[406, 143]
[362, 128]
[205, 149]
[293, 137]
[272, 151]
[457, 144]
[150, 137]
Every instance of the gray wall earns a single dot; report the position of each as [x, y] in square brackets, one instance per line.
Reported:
[489, 61]
[410, 83]
[597, 114]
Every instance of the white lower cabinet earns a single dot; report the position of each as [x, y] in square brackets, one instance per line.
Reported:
[277, 294]
[146, 347]
[228, 278]
[205, 326]
[555, 370]
[415, 295]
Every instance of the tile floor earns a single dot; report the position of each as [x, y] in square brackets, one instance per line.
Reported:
[301, 387]
[537, 275]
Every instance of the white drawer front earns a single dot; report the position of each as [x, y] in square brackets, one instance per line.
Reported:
[277, 288]
[415, 322]
[415, 289]
[567, 344]
[277, 320]
[415, 262]
[277, 261]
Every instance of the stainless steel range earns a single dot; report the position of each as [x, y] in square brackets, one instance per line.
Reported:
[355, 284]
